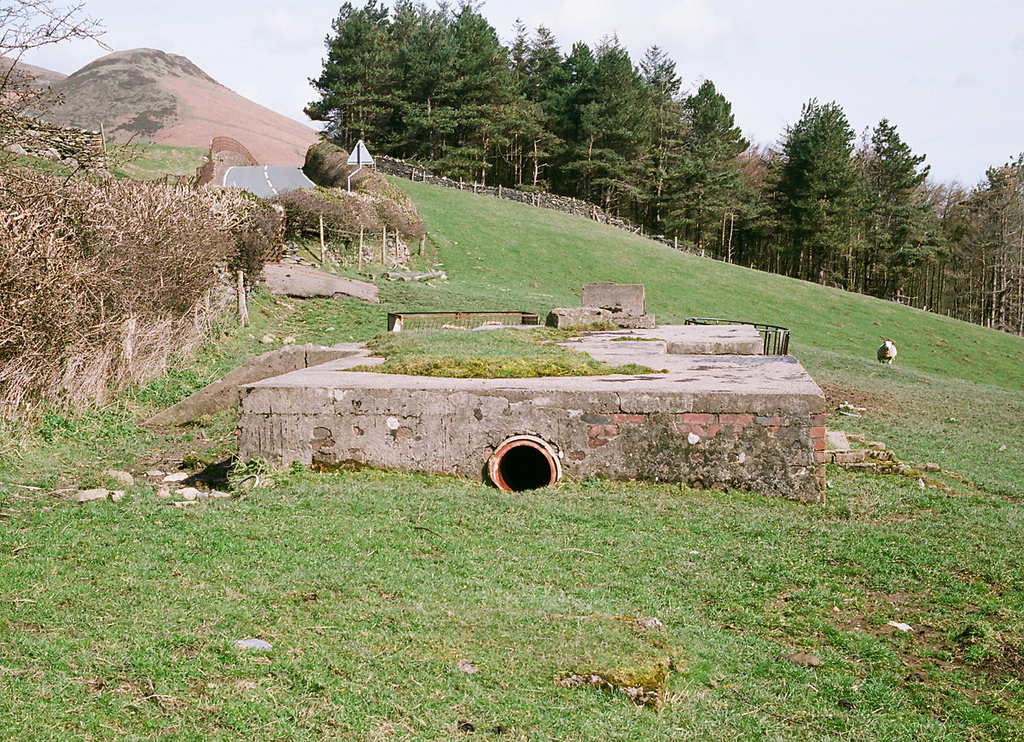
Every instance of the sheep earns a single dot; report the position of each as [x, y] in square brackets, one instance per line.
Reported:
[887, 352]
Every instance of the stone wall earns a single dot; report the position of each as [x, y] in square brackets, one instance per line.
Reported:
[75, 148]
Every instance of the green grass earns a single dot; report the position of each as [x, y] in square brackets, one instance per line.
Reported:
[152, 161]
[117, 620]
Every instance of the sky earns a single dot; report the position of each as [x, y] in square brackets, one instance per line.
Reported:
[947, 74]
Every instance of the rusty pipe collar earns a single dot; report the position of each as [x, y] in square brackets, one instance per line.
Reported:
[524, 462]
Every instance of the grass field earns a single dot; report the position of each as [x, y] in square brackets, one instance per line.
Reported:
[118, 619]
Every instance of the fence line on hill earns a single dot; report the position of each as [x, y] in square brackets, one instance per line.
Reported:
[538, 199]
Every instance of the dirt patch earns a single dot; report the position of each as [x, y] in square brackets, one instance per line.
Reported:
[873, 403]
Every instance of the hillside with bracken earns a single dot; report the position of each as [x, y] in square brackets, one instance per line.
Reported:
[146, 95]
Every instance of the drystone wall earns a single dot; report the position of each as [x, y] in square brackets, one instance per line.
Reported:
[76, 148]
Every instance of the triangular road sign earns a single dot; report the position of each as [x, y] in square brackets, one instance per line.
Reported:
[360, 155]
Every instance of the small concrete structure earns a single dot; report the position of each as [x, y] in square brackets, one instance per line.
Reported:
[741, 421]
[305, 282]
[620, 304]
[627, 303]
[223, 393]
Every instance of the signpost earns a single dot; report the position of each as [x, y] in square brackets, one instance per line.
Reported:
[360, 156]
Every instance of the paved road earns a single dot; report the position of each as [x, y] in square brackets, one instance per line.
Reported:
[266, 182]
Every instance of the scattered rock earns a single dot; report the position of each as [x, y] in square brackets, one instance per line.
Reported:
[163, 492]
[180, 476]
[467, 667]
[117, 495]
[189, 493]
[254, 644]
[155, 473]
[121, 477]
[288, 341]
[900, 626]
[267, 339]
[183, 503]
[90, 495]
[648, 623]
[1002, 448]
[804, 660]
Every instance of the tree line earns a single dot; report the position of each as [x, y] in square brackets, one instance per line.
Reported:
[436, 86]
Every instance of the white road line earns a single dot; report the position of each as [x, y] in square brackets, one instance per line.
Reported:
[266, 174]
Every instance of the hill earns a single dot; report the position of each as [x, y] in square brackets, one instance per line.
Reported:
[166, 99]
[39, 77]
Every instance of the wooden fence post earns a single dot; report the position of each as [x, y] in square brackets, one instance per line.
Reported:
[323, 246]
[243, 308]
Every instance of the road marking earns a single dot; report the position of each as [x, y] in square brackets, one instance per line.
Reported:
[266, 174]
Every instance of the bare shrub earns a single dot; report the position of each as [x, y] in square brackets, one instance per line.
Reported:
[101, 283]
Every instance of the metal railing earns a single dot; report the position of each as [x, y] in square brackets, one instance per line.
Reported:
[776, 339]
[457, 320]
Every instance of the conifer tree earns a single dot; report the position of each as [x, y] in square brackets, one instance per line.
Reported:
[706, 185]
[900, 228]
[817, 193]
[359, 77]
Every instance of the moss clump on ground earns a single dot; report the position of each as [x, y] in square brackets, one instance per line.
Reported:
[492, 354]
[644, 686]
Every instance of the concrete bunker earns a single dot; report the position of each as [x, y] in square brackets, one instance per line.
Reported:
[524, 462]
[717, 414]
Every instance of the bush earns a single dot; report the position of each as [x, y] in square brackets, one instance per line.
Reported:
[99, 283]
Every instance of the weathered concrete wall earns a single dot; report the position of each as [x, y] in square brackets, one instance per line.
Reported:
[755, 423]
[621, 299]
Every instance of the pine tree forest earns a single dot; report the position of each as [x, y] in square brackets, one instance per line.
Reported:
[437, 87]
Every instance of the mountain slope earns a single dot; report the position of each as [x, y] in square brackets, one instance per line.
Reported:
[38, 78]
[164, 98]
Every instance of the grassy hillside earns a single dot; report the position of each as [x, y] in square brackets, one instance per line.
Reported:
[780, 620]
[955, 395]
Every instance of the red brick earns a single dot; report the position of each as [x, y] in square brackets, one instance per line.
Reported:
[597, 442]
[821, 457]
[622, 419]
[738, 420]
[818, 432]
[699, 418]
[819, 444]
[595, 431]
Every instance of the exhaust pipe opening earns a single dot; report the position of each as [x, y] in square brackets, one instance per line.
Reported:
[524, 462]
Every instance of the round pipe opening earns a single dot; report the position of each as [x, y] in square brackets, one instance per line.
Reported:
[524, 462]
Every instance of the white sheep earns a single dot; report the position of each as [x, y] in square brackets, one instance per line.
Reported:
[887, 352]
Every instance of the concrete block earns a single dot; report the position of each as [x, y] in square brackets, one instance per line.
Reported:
[621, 299]
[565, 318]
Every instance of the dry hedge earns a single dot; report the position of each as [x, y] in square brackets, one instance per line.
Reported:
[100, 283]
[373, 204]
